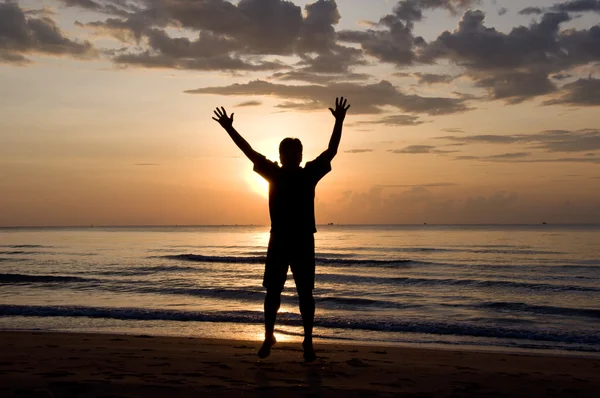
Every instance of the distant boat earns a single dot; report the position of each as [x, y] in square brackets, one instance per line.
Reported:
[544, 223]
[330, 223]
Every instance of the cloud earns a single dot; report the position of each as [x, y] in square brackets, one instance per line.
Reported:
[508, 156]
[420, 149]
[531, 10]
[21, 34]
[453, 130]
[431, 78]
[248, 103]
[317, 78]
[393, 120]
[250, 28]
[578, 6]
[359, 151]
[502, 11]
[429, 185]
[396, 43]
[583, 92]
[550, 141]
[112, 7]
[515, 66]
[365, 98]
[496, 158]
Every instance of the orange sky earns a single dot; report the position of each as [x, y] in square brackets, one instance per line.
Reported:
[453, 135]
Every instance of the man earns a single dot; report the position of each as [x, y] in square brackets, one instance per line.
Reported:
[291, 207]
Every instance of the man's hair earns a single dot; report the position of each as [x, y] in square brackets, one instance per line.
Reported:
[290, 145]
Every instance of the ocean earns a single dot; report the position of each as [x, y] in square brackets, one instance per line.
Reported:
[522, 288]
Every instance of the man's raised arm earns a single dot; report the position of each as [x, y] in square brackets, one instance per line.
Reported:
[227, 123]
[339, 113]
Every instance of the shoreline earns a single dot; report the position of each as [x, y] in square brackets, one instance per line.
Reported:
[474, 348]
[202, 332]
[55, 364]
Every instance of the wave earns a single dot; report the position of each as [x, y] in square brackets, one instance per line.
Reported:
[541, 309]
[489, 249]
[7, 259]
[262, 260]
[475, 283]
[22, 278]
[26, 246]
[256, 317]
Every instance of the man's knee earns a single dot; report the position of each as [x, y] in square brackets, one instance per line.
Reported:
[273, 293]
[305, 296]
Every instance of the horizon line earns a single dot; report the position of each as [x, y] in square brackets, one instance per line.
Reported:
[266, 225]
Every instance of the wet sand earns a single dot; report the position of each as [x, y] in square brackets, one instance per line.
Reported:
[36, 364]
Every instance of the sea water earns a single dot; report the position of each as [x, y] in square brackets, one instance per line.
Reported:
[499, 287]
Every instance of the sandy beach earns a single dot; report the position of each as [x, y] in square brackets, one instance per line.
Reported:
[36, 364]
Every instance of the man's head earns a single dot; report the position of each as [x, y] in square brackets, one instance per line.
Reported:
[290, 152]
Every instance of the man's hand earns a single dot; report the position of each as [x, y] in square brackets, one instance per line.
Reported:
[224, 121]
[340, 109]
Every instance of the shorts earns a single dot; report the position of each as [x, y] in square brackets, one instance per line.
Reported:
[297, 252]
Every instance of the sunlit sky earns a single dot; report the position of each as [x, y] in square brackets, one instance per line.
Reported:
[463, 111]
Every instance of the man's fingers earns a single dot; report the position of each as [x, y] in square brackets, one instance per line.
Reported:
[217, 113]
[348, 107]
[224, 111]
[215, 119]
[344, 103]
[337, 102]
[232, 116]
[332, 112]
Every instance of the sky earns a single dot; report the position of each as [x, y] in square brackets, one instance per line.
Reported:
[463, 111]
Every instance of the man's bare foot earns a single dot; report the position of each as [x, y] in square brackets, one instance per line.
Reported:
[265, 350]
[309, 351]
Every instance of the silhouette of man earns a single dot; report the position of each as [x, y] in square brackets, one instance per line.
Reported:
[291, 207]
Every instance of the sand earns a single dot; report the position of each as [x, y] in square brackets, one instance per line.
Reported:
[36, 364]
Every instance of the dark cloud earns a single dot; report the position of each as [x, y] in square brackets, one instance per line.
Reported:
[525, 157]
[249, 103]
[549, 141]
[207, 52]
[21, 34]
[112, 7]
[430, 185]
[249, 28]
[583, 92]
[561, 76]
[365, 98]
[394, 120]
[359, 151]
[415, 149]
[453, 130]
[502, 11]
[508, 156]
[420, 149]
[531, 10]
[517, 66]
[516, 87]
[431, 78]
[319, 78]
[578, 6]
[395, 42]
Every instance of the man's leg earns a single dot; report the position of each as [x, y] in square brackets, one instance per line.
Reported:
[303, 269]
[307, 310]
[274, 280]
[272, 304]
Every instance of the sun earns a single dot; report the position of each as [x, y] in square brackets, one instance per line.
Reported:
[257, 184]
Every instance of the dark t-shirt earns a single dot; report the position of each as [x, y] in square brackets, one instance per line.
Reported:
[292, 193]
